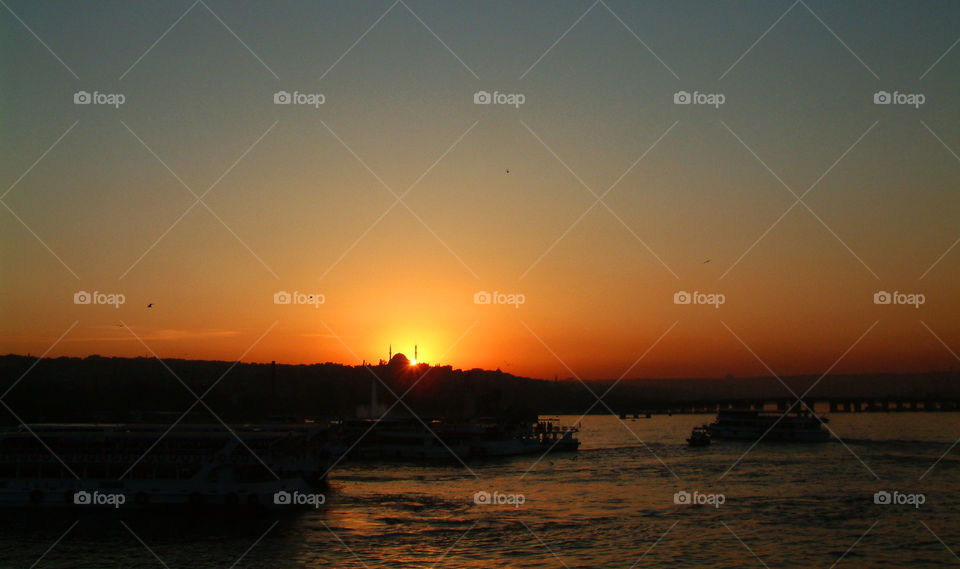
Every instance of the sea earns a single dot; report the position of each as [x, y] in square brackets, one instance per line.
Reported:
[884, 493]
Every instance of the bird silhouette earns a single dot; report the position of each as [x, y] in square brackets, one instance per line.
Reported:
[150, 305]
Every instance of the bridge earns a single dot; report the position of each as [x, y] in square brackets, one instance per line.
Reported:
[819, 404]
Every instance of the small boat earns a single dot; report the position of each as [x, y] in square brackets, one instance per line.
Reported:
[700, 437]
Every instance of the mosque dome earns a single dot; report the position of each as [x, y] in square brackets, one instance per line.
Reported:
[399, 359]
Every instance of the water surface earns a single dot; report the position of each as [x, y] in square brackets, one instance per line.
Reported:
[610, 505]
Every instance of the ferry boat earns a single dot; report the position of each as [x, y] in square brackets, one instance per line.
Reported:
[547, 435]
[399, 438]
[140, 465]
[751, 425]
[411, 439]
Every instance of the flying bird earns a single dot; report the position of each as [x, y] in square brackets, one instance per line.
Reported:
[150, 305]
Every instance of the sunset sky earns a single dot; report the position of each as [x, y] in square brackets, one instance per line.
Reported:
[494, 197]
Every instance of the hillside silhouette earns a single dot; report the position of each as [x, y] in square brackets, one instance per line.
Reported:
[115, 389]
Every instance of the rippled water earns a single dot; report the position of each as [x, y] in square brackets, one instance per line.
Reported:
[610, 505]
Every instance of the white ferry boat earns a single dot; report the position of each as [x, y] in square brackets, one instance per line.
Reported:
[751, 425]
[138, 465]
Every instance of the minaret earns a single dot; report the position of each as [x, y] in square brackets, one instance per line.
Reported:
[414, 352]
[390, 353]
[273, 385]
